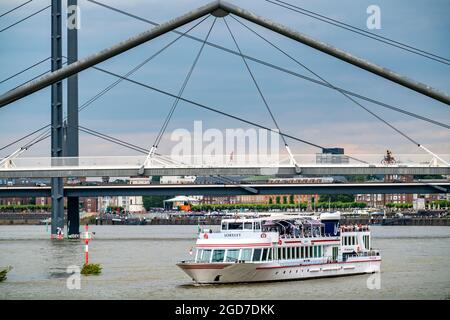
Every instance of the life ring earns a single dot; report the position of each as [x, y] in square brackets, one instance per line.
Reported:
[205, 236]
[263, 235]
[280, 242]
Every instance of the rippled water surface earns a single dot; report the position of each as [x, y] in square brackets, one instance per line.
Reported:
[139, 263]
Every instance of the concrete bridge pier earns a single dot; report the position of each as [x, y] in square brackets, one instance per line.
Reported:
[57, 206]
[57, 119]
[72, 142]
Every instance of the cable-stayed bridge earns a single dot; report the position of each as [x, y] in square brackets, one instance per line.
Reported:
[66, 162]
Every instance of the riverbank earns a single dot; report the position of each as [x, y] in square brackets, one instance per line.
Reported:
[41, 218]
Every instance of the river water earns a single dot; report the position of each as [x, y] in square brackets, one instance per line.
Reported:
[139, 263]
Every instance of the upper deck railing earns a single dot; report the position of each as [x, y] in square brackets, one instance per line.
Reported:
[201, 161]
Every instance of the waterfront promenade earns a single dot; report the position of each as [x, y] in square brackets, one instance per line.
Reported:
[426, 218]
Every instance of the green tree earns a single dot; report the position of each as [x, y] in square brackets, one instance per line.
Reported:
[154, 201]
[278, 200]
[291, 199]
[337, 198]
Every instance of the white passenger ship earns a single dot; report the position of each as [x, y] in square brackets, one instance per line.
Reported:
[282, 248]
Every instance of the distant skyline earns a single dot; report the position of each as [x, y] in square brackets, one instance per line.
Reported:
[220, 80]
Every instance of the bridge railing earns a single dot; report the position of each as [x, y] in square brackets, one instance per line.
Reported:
[211, 161]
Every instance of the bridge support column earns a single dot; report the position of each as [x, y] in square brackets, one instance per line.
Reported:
[72, 149]
[57, 118]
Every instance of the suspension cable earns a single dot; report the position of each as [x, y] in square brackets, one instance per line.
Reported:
[200, 105]
[254, 80]
[24, 70]
[180, 93]
[343, 93]
[99, 135]
[360, 31]
[24, 137]
[113, 140]
[273, 66]
[38, 76]
[26, 18]
[105, 90]
[15, 8]
[260, 93]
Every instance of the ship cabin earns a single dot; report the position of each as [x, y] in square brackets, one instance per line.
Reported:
[355, 240]
[300, 239]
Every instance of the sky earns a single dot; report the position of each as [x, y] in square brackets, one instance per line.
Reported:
[220, 80]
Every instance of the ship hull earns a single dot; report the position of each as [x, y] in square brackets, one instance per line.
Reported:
[216, 273]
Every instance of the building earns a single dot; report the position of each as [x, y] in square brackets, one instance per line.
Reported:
[332, 156]
[219, 200]
[89, 204]
[135, 203]
[381, 200]
[132, 204]
[16, 201]
[273, 199]
[177, 179]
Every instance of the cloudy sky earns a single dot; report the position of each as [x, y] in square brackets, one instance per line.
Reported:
[220, 80]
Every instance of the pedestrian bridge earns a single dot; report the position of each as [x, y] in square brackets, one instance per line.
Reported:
[219, 165]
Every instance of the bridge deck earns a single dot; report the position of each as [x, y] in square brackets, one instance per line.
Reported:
[230, 189]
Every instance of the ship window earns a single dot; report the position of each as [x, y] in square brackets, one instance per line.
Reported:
[310, 251]
[269, 256]
[235, 226]
[257, 225]
[320, 251]
[198, 255]
[284, 253]
[247, 225]
[303, 252]
[264, 254]
[289, 252]
[279, 254]
[297, 252]
[257, 255]
[232, 255]
[206, 255]
[224, 226]
[218, 255]
[246, 254]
